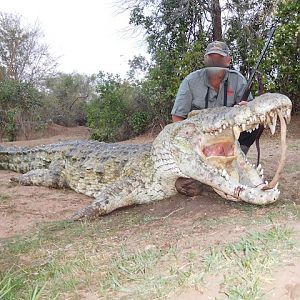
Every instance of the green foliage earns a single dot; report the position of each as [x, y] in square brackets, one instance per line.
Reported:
[247, 30]
[139, 121]
[18, 102]
[120, 111]
[176, 41]
[10, 127]
[23, 55]
[15, 93]
[107, 114]
[285, 55]
[177, 35]
[66, 98]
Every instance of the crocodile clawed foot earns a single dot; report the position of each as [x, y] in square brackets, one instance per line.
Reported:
[23, 180]
[13, 180]
[90, 212]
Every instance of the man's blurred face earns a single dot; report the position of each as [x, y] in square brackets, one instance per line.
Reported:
[215, 63]
[216, 60]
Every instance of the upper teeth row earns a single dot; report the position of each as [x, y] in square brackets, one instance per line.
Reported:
[253, 122]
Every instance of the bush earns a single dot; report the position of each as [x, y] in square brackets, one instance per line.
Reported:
[120, 111]
[139, 121]
[19, 102]
[106, 118]
[66, 97]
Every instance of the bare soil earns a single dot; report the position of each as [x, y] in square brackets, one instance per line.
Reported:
[22, 207]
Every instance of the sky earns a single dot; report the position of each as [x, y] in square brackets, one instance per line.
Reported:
[88, 36]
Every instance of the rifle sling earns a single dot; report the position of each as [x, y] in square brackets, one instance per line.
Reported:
[225, 94]
[259, 133]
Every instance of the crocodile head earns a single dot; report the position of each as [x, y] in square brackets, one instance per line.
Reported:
[205, 147]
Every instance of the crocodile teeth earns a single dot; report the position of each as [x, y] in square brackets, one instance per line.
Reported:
[224, 173]
[256, 127]
[268, 119]
[262, 118]
[272, 127]
[224, 126]
[243, 126]
[258, 168]
[220, 130]
[276, 186]
[288, 115]
[261, 172]
[236, 132]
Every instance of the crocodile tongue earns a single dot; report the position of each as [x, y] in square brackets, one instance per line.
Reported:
[220, 153]
[219, 149]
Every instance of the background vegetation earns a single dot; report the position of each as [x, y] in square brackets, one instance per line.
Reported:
[176, 32]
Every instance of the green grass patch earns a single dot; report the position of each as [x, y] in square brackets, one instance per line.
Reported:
[12, 282]
[5, 198]
[66, 260]
[290, 169]
[113, 271]
[245, 263]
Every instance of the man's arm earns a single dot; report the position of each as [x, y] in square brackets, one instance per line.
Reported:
[242, 83]
[183, 102]
[177, 118]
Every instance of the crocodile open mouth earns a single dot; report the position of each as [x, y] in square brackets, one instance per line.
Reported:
[218, 147]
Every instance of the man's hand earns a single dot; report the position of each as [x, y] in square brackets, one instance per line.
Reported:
[243, 103]
[177, 118]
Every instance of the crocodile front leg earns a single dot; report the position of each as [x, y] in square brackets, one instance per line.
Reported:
[117, 195]
[51, 177]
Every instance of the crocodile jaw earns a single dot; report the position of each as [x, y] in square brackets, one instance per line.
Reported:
[206, 148]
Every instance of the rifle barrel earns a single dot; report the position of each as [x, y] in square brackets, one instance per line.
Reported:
[262, 54]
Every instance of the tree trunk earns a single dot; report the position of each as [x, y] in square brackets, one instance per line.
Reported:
[216, 20]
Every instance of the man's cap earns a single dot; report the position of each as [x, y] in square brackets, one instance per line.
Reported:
[218, 48]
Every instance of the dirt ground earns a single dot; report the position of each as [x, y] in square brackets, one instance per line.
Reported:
[22, 208]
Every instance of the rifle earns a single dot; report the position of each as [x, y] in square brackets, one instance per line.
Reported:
[249, 85]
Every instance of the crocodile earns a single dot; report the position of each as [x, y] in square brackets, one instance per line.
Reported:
[203, 147]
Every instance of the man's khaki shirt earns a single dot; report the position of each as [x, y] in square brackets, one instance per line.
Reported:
[194, 88]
